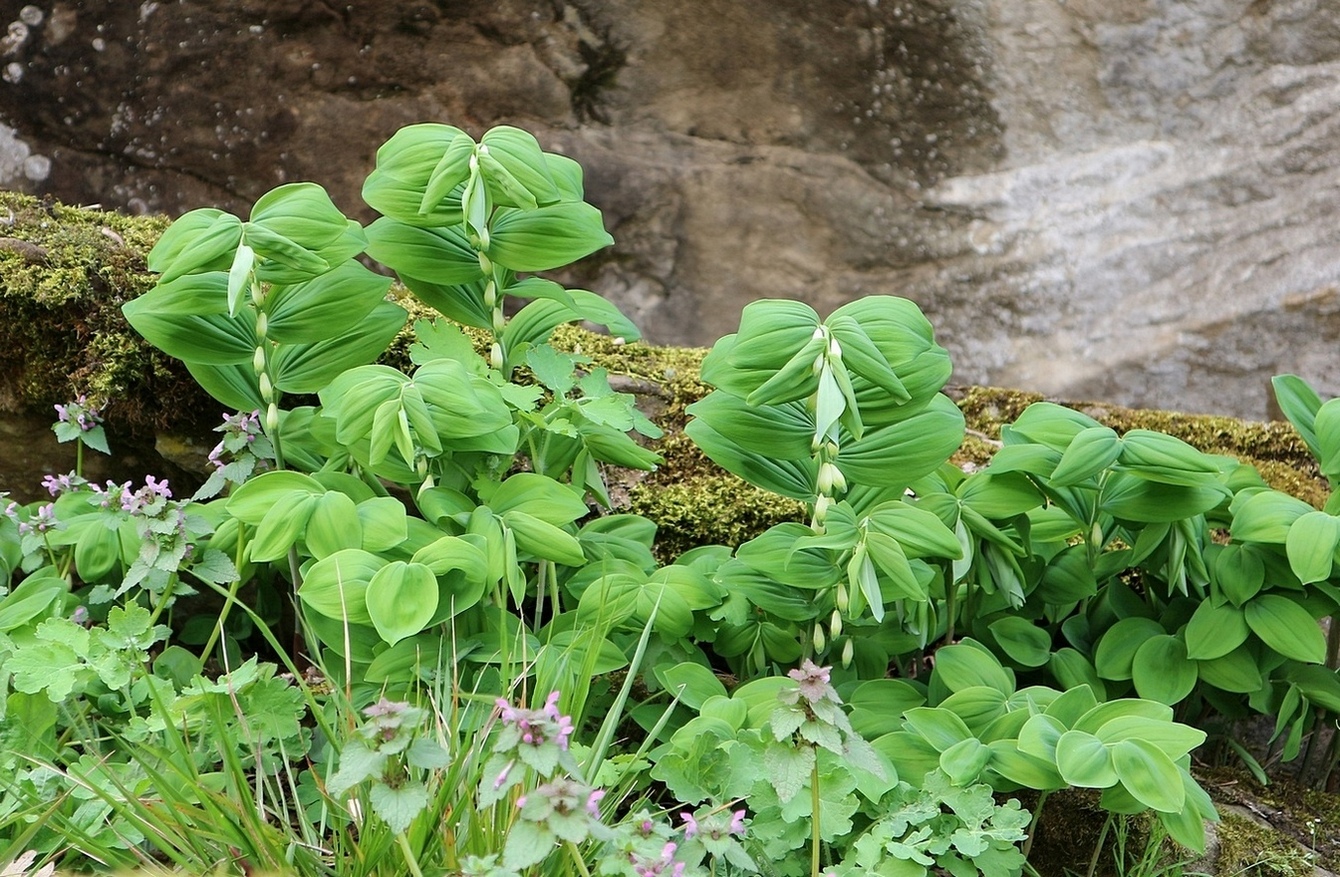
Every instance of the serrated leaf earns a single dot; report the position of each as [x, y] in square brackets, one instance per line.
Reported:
[788, 769]
[398, 806]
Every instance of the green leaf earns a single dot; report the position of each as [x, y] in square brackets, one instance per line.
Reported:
[1130, 497]
[433, 255]
[1311, 545]
[790, 478]
[543, 539]
[1161, 670]
[780, 432]
[1019, 767]
[520, 154]
[208, 336]
[1149, 775]
[546, 238]
[234, 386]
[252, 501]
[1266, 517]
[301, 212]
[899, 453]
[398, 806]
[405, 166]
[1173, 738]
[1214, 631]
[1116, 650]
[939, 727]
[199, 239]
[1300, 404]
[965, 760]
[307, 368]
[401, 599]
[1286, 627]
[788, 769]
[1020, 639]
[1237, 671]
[1083, 760]
[282, 526]
[1240, 571]
[324, 307]
[1048, 424]
[1039, 735]
[451, 170]
[1072, 670]
[919, 533]
[333, 525]
[963, 666]
[539, 496]
[336, 586]
[692, 683]
[1091, 451]
[1327, 430]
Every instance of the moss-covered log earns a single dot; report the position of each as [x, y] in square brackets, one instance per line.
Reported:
[65, 272]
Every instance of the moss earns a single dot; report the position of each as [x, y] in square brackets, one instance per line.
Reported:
[1251, 849]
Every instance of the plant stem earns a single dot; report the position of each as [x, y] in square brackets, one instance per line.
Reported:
[951, 597]
[814, 817]
[79, 457]
[1098, 847]
[1032, 826]
[576, 859]
[410, 859]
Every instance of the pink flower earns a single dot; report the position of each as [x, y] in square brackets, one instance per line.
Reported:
[690, 825]
[737, 823]
[593, 802]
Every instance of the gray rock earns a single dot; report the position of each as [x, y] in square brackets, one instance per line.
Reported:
[1125, 199]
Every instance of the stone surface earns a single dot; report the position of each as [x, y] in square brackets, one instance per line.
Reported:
[1126, 199]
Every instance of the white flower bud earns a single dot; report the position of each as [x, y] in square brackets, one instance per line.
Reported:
[825, 480]
[819, 640]
[839, 480]
[483, 149]
[490, 294]
[499, 321]
[821, 505]
[818, 366]
[496, 356]
[840, 599]
[835, 624]
[484, 264]
[818, 332]
[272, 417]
[834, 349]
[848, 652]
[258, 360]
[267, 389]
[474, 164]
[262, 325]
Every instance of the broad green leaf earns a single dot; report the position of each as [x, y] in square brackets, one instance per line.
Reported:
[333, 526]
[964, 761]
[1266, 517]
[197, 240]
[1039, 735]
[938, 727]
[1161, 670]
[1240, 571]
[301, 212]
[542, 539]
[282, 526]
[790, 478]
[1022, 768]
[898, 454]
[1048, 424]
[520, 154]
[1150, 452]
[539, 496]
[433, 255]
[1286, 627]
[196, 337]
[1091, 451]
[324, 307]
[1149, 775]
[1237, 671]
[401, 599]
[250, 502]
[306, 368]
[1173, 738]
[1300, 404]
[1132, 498]
[1311, 545]
[963, 666]
[451, 171]
[692, 683]
[978, 706]
[546, 238]
[405, 165]
[234, 386]
[1214, 631]
[771, 331]
[1326, 427]
[1083, 760]
[1105, 712]
[1116, 650]
[336, 586]
[782, 432]
[1020, 639]
[1072, 670]
[918, 532]
[877, 705]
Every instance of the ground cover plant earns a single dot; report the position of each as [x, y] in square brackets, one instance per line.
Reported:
[398, 629]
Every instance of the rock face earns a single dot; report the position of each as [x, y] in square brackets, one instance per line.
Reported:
[1126, 199]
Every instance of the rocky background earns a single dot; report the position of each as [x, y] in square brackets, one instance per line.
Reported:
[1130, 200]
